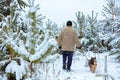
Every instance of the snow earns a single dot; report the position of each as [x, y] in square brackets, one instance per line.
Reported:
[80, 72]
[54, 71]
[22, 50]
[19, 70]
[44, 46]
[33, 9]
[42, 50]
[51, 68]
[84, 41]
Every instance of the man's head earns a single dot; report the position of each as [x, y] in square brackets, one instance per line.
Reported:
[69, 23]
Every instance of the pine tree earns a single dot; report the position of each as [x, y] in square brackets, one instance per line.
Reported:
[93, 31]
[80, 26]
[10, 34]
[4, 7]
[22, 33]
[111, 29]
[8, 30]
[111, 10]
[87, 27]
[4, 12]
[81, 23]
[53, 28]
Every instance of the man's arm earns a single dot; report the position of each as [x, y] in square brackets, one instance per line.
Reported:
[77, 42]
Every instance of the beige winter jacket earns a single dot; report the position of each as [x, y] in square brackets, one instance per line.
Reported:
[68, 39]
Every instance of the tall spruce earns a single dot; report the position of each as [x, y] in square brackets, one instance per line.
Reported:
[81, 23]
[111, 30]
[25, 37]
[110, 10]
[93, 31]
[87, 28]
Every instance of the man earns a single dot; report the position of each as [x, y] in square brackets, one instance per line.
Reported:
[67, 41]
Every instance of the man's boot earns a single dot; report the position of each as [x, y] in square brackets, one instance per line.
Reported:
[64, 66]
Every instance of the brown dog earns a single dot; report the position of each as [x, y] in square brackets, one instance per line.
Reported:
[92, 64]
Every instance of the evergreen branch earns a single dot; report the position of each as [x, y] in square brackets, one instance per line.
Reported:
[22, 3]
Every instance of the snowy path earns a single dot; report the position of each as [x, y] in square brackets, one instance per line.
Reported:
[80, 72]
[54, 71]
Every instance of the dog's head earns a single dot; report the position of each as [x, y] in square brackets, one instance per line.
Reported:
[92, 60]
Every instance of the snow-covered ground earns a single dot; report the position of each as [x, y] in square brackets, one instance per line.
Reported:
[79, 71]
[54, 71]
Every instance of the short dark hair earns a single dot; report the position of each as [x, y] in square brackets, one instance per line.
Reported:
[69, 23]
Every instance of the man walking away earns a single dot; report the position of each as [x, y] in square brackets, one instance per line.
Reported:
[67, 41]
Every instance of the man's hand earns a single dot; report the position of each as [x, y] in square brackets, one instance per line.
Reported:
[79, 47]
[59, 47]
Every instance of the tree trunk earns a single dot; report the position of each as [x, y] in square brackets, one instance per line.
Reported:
[11, 54]
[31, 63]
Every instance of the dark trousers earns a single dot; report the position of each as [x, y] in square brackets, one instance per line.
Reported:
[67, 56]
